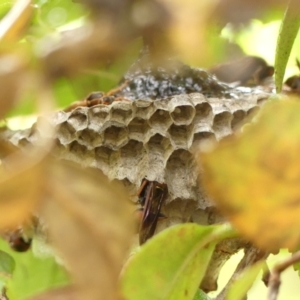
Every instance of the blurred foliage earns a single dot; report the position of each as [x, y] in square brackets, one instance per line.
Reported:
[266, 195]
[58, 51]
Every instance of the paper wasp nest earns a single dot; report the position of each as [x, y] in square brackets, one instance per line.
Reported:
[154, 139]
[130, 141]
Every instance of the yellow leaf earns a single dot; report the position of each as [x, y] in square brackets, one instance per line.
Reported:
[254, 178]
[12, 75]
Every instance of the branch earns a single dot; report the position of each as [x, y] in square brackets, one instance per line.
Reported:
[274, 281]
[251, 256]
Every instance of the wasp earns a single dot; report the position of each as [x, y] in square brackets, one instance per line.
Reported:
[96, 98]
[151, 196]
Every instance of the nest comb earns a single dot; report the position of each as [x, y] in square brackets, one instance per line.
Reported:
[129, 141]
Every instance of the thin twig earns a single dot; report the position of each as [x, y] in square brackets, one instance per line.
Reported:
[274, 282]
[15, 21]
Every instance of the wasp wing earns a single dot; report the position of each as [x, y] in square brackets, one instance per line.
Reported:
[155, 194]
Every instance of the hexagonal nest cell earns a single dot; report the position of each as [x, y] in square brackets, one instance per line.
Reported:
[204, 114]
[138, 128]
[202, 137]
[132, 161]
[66, 133]
[121, 114]
[181, 136]
[102, 158]
[78, 118]
[183, 115]
[115, 137]
[182, 110]
[182, 175]
[90, 138]
[77, 151]
[222, 124]
[159, 145]
[160, 120]
[98, 115]
[238, 119]
[143, 109]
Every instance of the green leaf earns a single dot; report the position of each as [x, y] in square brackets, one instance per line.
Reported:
[240, 288]
[172, 264]
[7, 264]
[5, 7]
[200, 295]
[55, 13]
[64, 93]
[288, 32]
[32, 275]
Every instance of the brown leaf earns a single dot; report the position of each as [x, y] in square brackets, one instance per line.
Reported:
[90, 224]
[255, 177]
[11, 78]
[19, 194]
